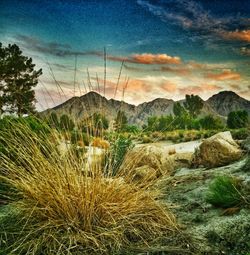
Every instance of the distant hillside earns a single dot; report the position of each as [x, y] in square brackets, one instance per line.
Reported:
[84, 106]
[227, 101]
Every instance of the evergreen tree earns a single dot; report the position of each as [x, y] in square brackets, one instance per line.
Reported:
[179, 110]
[193, 105]
[237, 119]
[17, 80]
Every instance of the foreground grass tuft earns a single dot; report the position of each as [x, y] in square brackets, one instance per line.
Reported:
[225, 192]
[59, 205]
[246, 166]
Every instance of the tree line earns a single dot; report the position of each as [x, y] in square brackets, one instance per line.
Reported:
[186, 116]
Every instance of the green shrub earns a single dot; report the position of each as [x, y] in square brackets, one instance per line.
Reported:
[37, 125]
[246, 166]
[237, 119]
[116, 154]
[225, 192]
[240, 134]
[131, 129]
[211, 122]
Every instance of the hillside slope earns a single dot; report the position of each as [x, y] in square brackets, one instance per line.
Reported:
[81, 107]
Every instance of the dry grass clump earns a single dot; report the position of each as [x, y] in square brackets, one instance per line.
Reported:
[99, 142]
[57, 206]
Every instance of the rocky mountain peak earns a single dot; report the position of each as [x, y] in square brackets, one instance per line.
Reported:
[80, 107]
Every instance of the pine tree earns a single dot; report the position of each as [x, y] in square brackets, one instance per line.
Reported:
[179, 110]
[17, 80]
[193, 105]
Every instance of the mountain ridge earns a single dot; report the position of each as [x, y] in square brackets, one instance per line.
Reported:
[81, 107]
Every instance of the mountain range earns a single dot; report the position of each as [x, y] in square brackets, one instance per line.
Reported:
[84, 106]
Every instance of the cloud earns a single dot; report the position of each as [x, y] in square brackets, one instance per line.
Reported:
[223, 76]
[245, 50]
[191, 90]
[186, 69]
[235, 86]
[181, 71]
[132, 68]
[210, 87]
[64, 50]
[147, 59]
[198, 90]
[136, 85]
[188, 14]
[205, 27]
[169, 86]
[237, 35]
[50, 48]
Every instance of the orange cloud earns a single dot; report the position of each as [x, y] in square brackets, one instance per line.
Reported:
[139, 85]
[225, 75]
[147, 59]
[169, 86]
[191, 90]
[243, 35]
[210, 87]
[199, 89]
[133, 85]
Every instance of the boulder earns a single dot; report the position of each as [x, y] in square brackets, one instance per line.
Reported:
[151, 157]
[218, 150]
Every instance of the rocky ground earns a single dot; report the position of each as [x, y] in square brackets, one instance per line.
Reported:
[185, 181]
[206, 230]
[212, 230]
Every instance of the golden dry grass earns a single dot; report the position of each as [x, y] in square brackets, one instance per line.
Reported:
[58, 206]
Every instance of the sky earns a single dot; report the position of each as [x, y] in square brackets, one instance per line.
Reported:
[153, 48]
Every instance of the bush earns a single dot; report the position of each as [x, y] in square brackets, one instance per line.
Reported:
[237, 119]
[67, 208]
[225, 192]
[240, 134]
[116, 154]
[35, 124]
[246, 166]
[211, 122]
[131, 129]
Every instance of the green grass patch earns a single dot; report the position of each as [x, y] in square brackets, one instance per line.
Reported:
[225, 192]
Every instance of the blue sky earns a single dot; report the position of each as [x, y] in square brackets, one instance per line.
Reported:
[170, 47]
